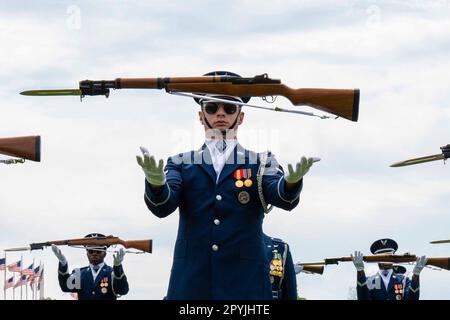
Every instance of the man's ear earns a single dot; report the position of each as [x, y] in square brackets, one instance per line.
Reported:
[200, 117]
[241, 117]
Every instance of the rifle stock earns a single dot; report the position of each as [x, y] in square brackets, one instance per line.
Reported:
[142, 245]
[313, 269]
[341, 102]
[442, 262]
[27, 147]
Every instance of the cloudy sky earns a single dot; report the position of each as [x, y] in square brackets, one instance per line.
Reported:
[396, 52]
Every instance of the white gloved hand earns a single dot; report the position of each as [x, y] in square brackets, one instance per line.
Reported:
[59, 255]
[358, 260]
[153, 173]
[420, 264]
[298, 268]
[12, 161]
[118, 257]
[301, 169]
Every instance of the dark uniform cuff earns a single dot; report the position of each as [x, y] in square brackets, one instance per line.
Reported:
[118, 271]
[157, 198]
[62, 268]
[292, 194]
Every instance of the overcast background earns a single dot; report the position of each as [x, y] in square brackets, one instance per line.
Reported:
[396, 52]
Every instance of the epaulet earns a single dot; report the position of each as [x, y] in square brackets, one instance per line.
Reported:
[373, 276]
[185, 154]
[268, 153]
[252, 154]
[277, 240]
[270, 159]
[185, 157]
[84, 268]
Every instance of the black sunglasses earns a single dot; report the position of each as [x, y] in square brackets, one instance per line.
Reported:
[212, 107]
[91, 251]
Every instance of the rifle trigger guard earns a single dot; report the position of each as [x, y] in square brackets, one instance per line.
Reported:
[272, 98]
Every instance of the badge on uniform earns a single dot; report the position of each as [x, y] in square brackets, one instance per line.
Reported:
[276, 266]
[104, 285]
[398, 289]
[244, 197]
[245, 174]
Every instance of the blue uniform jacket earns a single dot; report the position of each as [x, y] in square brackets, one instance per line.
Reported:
[284, 288]
[399, 288]
[108, 285]
[219, 251]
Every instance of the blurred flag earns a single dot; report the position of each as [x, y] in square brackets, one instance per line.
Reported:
[37, 274]
[9, 283]
[28, 271]
[34, 278]
[21, 282]
[2, 264]
[15, 267]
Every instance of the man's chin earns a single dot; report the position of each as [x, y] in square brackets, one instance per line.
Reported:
[221, 127]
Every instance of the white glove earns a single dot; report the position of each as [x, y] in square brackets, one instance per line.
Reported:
[301, 169]
[298, 268]
[420, 264]
[12, 161]
[358, 261]
[118, 257]
[153, 173]
[59, 255]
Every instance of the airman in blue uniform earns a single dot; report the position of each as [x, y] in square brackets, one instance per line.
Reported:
[98, 281]
[386, 284]
[221, 191]
[281, 269]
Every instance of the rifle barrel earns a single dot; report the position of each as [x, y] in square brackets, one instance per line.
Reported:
[313, 263]
[18, 249]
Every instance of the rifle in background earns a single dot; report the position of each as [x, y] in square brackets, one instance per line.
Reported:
[27, 147]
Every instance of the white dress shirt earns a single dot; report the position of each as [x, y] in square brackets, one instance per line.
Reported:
[386, 278]
[219, 158]
[95, 273]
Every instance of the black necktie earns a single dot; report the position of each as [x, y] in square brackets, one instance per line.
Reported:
[95, 268]
[221, 145]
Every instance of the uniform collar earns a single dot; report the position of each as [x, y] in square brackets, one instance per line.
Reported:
[100, 266]
[211, 144]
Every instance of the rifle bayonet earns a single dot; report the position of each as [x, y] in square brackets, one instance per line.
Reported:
[440, 241]
[441, 156]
